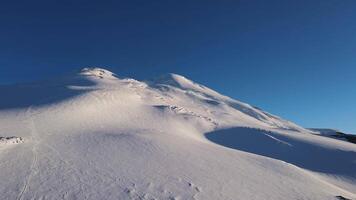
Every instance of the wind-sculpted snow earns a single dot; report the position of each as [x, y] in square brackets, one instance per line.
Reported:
[170, 82]
[93, 135]
[337, 160]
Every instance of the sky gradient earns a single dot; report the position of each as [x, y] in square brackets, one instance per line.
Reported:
[295, 59]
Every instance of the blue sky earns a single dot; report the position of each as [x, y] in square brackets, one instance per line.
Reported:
[296, 59]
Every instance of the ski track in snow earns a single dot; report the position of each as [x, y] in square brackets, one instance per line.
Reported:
[35, 141]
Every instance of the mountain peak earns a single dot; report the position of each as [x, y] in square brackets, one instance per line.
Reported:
[97, 72]
[175, 76]
[174, 80]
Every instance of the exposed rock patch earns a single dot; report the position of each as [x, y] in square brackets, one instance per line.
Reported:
[11, 140]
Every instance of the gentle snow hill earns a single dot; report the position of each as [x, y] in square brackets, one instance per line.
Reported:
[93, 135]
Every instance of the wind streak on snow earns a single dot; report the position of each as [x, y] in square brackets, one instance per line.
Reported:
[278, 140]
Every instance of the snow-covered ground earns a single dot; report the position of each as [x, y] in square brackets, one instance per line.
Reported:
[93, 135]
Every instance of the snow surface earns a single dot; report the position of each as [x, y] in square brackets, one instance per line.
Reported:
[93, 135]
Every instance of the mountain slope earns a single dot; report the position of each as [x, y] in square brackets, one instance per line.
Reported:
[335, 134]
[93, 135]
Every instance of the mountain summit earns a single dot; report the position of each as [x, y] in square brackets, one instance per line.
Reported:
[97, 72]
[93, 135]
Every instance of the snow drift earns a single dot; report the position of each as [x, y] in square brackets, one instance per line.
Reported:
[92, 135]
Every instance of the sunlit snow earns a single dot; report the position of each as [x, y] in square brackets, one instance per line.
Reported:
[93, 135]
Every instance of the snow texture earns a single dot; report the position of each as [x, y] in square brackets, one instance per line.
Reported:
[93, 135]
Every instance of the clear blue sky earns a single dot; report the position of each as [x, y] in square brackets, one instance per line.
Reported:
[296, 59]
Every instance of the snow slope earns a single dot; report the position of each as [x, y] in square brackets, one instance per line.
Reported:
[336, 134]
[93, 135]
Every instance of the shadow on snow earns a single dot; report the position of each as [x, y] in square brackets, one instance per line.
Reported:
[41, 93]
[300, 153]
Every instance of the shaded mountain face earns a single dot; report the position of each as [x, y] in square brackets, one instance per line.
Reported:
[96, 135]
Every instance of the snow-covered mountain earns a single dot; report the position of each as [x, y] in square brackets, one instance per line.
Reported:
[93, 135]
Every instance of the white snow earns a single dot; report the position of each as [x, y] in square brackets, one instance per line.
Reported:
[93, 135]
[97, 72]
